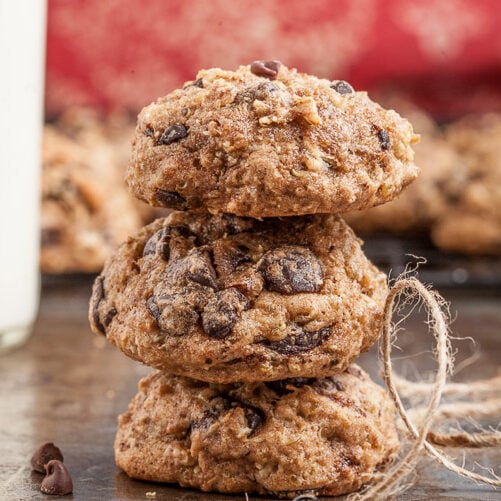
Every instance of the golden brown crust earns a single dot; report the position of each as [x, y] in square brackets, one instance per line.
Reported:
[251, 145]
[221, 298]
[325, 436]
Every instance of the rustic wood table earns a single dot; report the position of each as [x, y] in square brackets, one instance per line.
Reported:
[68, 386]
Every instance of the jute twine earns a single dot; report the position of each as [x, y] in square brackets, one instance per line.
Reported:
[416, 424]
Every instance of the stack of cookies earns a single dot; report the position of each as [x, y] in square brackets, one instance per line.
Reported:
[253, 299]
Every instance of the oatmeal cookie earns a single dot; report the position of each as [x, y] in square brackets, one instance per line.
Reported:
[471, 223]
[267, 141]
[318, 436]
[86, 210]
[222, 298]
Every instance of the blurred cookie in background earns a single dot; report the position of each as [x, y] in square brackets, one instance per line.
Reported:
[86, 210]
[471, 223]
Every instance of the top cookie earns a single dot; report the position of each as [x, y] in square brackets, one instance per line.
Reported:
[265, 141]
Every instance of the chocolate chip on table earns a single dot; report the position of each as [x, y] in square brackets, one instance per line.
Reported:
[291, 269]
[342, 87]
[57, 480]
[45, 453]
[267, 69]
[173, 134]
[222, 312]
[300, 343]
[170, 199]
[98, 296]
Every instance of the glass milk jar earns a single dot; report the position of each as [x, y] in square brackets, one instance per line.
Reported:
[22, 50]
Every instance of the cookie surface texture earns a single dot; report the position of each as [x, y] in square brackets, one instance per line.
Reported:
[324, 436]
[221, 298]
[263, 142]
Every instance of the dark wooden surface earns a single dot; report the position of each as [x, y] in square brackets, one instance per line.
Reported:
[68, 386]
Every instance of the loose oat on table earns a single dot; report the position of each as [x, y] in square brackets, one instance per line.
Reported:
[222, 298]
[266, 140]
[325, 436]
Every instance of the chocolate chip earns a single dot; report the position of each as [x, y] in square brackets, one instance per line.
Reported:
[383, 136]
[51, 236]
[259, 92]
[109, 317]
[342, 87]
[57, 480]
[223, 312]
[254, 418]
[300, 343]
[98, 296]
[267, 69]
[170, 199]
[45, 453]
[285, 386]
[291, 269]
[235, 224]
[196, 83]
[173, 313]
[149, 131]
[173, 134]
[151, 244]
[196, 267]
[153, 309]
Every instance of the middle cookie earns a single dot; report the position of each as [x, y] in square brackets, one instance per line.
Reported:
[222, 298]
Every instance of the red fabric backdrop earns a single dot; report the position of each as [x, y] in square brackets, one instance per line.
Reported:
[125, 53]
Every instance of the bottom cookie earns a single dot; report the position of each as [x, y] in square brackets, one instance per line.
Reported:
[326, 436]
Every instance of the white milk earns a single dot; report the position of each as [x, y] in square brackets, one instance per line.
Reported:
[22, 62]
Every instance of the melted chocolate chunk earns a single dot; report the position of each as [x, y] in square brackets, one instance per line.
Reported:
[268, 69]
[173, 313]
[170, 199]
[98, 296]
[57, 480]
[45, 453]
[291, 269]
[220, 405]
[342, 87]
[196, 267]
[300, 343]
[173, 134]
[223, 312]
